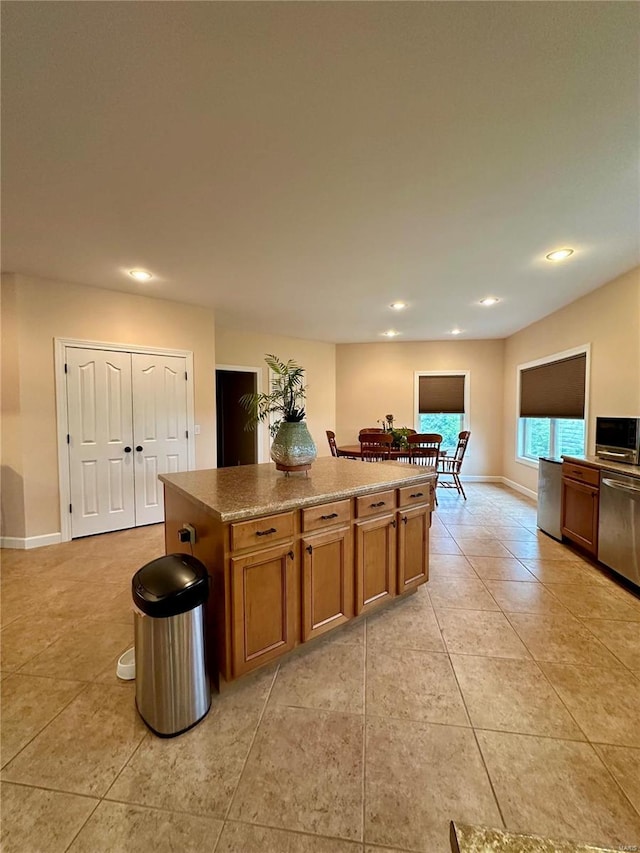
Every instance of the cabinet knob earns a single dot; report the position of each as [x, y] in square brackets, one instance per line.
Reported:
[127, 450]
[309, 549]
[393, 523]
[291, 555]
[139, 448]
[404, 519]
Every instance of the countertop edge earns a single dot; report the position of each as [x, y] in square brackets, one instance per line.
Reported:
[428, 473]
[466, 838]
[605, 465]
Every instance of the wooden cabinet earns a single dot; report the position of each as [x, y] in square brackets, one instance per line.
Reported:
[413, 547]
[580, 501]
[375, 562]
[264, 603]
[327, 581]
[287, 577]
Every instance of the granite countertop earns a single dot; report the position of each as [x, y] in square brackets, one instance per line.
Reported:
[606, 465]
[250, 491]
[480, 839]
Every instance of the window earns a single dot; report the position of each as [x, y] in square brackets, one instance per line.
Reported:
[552, 406]
[442, 404]
[449, 426]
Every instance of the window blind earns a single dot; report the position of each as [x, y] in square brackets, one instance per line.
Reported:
[555, 389]
[441, 394]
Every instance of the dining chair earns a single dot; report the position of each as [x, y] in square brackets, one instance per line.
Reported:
[424, 448]
[331, 438]
[370, 429]
[375, 446]
[452, 465]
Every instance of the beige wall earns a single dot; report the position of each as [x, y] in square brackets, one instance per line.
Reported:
[376, 379]
[609, 320]
[12, 484]
[36, 312]
[248, 349]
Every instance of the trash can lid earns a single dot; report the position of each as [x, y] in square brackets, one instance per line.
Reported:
[170, 585]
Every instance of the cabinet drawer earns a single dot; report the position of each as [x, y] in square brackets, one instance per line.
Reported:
[326, 515]
[419, 494]
[261, 532]
[367, 505]
[581, 473]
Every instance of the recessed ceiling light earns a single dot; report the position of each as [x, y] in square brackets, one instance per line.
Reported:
[456, 331]
[398, 306]
[140, 275]
[559, 254]
[489, 300]
[390, 333]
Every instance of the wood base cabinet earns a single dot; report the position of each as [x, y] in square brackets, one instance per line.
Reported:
[327, 581]
[413, 547]
[264, 597]
[375, 561]
[580, 503]
[282, 579]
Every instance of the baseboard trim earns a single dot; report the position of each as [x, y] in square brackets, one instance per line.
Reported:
[27, 542]
[480, 478]
[518, 488]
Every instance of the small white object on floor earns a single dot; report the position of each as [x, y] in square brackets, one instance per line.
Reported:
[126, 669]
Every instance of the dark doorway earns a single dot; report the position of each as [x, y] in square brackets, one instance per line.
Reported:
[236, 446]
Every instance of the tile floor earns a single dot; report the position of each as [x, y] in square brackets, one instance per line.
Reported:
[505, 692]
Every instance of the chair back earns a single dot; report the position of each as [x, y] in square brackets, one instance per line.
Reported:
[424, 447]
[375, 445]
[461, 449]
[370, 429]
[331, 438]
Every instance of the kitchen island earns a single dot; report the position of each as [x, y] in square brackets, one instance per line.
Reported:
[293, 558]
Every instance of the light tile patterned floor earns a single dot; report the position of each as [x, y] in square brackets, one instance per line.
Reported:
[505, 692]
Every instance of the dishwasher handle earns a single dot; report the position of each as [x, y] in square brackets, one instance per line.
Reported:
[622, 487]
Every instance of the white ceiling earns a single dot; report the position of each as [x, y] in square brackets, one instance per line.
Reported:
[298, 166]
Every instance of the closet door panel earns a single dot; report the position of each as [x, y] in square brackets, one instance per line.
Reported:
[159, 426]
[100, 429]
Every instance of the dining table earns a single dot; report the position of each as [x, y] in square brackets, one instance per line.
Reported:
[354, 451]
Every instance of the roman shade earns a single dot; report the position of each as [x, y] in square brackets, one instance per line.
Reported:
[555, 389]
[441, 394]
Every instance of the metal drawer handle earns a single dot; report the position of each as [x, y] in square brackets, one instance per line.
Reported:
[380, 503]
[266, 532]
[393, 523]
[327, 517]
[417, 495]
[404, 519]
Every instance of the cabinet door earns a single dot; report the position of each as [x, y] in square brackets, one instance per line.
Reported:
[327, 582]
[580, 514]
[264, 606]
[413, 547]
[375, 561]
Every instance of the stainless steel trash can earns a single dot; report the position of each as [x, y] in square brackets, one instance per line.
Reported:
[172, 684]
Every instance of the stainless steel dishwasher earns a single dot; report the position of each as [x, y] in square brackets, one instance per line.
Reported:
[550, 496]
[619, 525]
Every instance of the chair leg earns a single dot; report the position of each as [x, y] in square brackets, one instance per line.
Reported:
[459, 485]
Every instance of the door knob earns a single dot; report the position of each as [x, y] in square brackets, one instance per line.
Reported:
[139, 447]
[127, 450]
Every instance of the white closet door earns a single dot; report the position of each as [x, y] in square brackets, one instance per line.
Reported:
[159, 428]
[101, 470]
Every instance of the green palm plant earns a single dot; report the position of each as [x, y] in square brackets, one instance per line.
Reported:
[286, 397]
